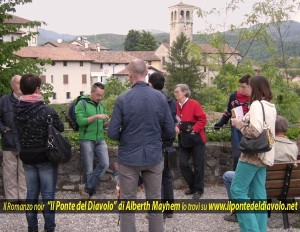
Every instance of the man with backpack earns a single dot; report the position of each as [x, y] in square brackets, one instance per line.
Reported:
[91, 117]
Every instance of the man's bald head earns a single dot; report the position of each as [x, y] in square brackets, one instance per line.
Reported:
[137, 70]
[15, 84]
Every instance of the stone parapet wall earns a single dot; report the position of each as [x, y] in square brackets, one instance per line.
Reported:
[217, 161]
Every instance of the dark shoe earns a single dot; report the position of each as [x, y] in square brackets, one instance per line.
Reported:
[189, 191]
[168, 215]
[230, 217]
[197, 195]
[33, 229]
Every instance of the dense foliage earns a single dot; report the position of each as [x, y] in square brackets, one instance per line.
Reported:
[10, 64]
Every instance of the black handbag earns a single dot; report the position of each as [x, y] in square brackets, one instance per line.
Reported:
[188, 137]
[170, 157]
[263, 143]
[59, 149]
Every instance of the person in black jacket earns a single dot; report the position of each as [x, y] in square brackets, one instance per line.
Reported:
[31, 115]
[157, 81]
[13, 171]
[238, 98]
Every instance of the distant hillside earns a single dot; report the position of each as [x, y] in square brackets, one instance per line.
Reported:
[51, 36]
[258, 51]
[113, 41]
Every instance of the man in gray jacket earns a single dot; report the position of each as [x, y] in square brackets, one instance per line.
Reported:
[138, 120]
[13, 172]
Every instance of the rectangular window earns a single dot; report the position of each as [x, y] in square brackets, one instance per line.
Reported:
[81, 93]
[33, 40]
[84, 79]
[52, 79]
[66, 79]
[149, 62]
[43, 79]
[65, 63]
[81, 63]
[163, 60]
[12, 39]
[54, 96]
[101, 66]
[68, 95]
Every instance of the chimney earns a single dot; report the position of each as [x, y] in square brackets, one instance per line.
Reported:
[98, 46]
[86, 45]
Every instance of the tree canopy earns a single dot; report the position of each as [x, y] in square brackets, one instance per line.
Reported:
[139, 41]
[10, 64]
[183, 67]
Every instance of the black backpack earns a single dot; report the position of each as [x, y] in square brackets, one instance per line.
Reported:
[71, 116]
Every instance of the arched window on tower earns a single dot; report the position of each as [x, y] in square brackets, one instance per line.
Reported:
[182, 15]
[172, 16]
[175, 15]
[188, 17]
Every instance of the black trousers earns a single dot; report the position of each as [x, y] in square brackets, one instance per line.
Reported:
[167, 192]
[195, 179]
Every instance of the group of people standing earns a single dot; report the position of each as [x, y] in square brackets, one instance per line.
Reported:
[145, 121]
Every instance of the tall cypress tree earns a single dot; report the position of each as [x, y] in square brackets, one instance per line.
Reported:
[182, 68]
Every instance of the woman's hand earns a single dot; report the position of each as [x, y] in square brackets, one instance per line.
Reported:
[235, 121]
[177, 130]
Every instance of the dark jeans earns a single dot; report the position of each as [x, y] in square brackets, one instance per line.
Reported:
[236, 137]
[195, 179]
[41, 178]
[167, 192]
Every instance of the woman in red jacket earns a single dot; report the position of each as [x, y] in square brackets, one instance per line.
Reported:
[191, 139]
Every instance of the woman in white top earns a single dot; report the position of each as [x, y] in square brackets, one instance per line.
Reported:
[250, 175]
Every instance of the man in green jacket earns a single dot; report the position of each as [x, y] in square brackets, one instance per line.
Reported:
[91, 116]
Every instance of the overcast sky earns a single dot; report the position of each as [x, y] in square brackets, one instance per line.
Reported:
[117, 16]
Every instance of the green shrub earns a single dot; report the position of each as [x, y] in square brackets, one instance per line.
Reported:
[293, 132]
[222, 135]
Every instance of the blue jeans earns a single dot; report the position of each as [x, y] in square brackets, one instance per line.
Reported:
[227, 179]
[89, 150]
[250, 179]
[41, 178]
[236, 137]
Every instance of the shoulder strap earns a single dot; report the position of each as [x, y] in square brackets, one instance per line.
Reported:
[263, 110]
[84, 103]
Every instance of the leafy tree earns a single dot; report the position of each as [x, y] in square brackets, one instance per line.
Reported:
[132, 40]
[227, 79]
[285, 95]
[9, 63]
[212, 99]
[182, 67]
[47, 92]
[114, 86]
[147, 42]
[253, 29]
[139, 41]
